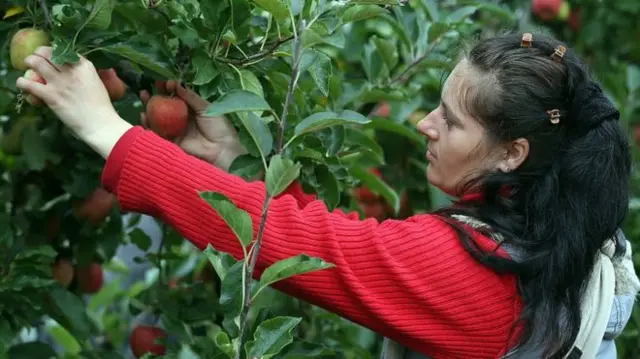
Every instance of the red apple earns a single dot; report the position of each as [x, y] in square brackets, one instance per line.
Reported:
[90, 278]
[575, 21]
[96, 207]
[62, 271]
[142, 341]
[548, 10]
[115, 87]
[167, 116]
[382, 110]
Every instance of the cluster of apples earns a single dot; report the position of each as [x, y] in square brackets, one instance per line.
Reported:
[94, 209]
[166, 115]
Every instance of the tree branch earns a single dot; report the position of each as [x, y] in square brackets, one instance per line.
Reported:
[254, 57]
[404, 75]
[47, 15]
[255, 250]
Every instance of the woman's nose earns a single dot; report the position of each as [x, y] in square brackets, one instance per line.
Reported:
[427, 128]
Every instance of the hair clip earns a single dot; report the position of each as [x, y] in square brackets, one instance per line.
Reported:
[554, 116]
[558, 53]
[527, 38]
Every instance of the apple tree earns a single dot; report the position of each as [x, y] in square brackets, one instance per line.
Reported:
[322, 92]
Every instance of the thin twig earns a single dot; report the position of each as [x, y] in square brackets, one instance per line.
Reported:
[252, 58]
[403, 75]
[297, 49]
[244, 315]
[255, 250]
[47, 15]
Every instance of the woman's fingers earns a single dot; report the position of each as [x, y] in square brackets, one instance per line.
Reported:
[42, 66]
[46, 52]
[144, 97]
[190, 97]
[34, 88]
[143, 120]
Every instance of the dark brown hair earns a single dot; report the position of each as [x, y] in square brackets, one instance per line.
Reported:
[566, 199]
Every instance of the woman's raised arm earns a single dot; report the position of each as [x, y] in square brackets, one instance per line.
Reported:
[409, 280]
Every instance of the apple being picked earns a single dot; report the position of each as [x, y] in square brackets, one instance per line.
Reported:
[34, 76]
[23, 43]
[167, 116]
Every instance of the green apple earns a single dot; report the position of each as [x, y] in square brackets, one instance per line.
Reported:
[24, 43]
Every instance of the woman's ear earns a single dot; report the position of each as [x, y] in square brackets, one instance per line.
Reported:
[514, 154]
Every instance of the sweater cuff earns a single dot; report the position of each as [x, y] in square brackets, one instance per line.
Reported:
[115, 161]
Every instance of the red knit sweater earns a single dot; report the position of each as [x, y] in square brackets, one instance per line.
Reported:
[410, 280]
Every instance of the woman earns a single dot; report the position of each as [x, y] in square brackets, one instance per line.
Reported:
[522, 266]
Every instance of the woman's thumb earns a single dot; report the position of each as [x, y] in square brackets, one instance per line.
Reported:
[190, 97]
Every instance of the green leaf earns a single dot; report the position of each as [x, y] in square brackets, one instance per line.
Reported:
[237, 101]
[64, 52]
[100, 16]
[247, 167]
[390, 126]
[64, 339]
[186, 33]
[31, 350]
[187, 353]
[280, 174]
[633, 78]
[360, 139]
[259, 132]
[387, 51]
[301, 349]
[328, 189]
[271, 337]
[321, 70]
[69, 311]
[35, 150]
[239, 221]
[361, 12]
[251, 83]
[138, 237]
[66, 15]
[232, 290]
[220, 261]
[290, 267]
[205, 70]
[377, 185]
[376, 2]
[143, 54]
[277, 8]
[431, 9]
[321, 120]
[461, 14]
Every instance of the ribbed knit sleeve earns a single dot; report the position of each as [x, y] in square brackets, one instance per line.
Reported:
[409, 280]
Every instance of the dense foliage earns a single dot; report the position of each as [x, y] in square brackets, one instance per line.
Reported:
[325, 92]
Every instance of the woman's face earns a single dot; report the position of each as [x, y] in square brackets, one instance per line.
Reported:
[458, 145]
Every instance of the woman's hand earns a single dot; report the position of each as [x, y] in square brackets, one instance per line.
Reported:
[213, 139]
[74, 92]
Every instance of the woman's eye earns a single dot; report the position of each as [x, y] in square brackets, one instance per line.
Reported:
[446, 120]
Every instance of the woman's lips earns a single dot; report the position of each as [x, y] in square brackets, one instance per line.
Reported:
[431, 155]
